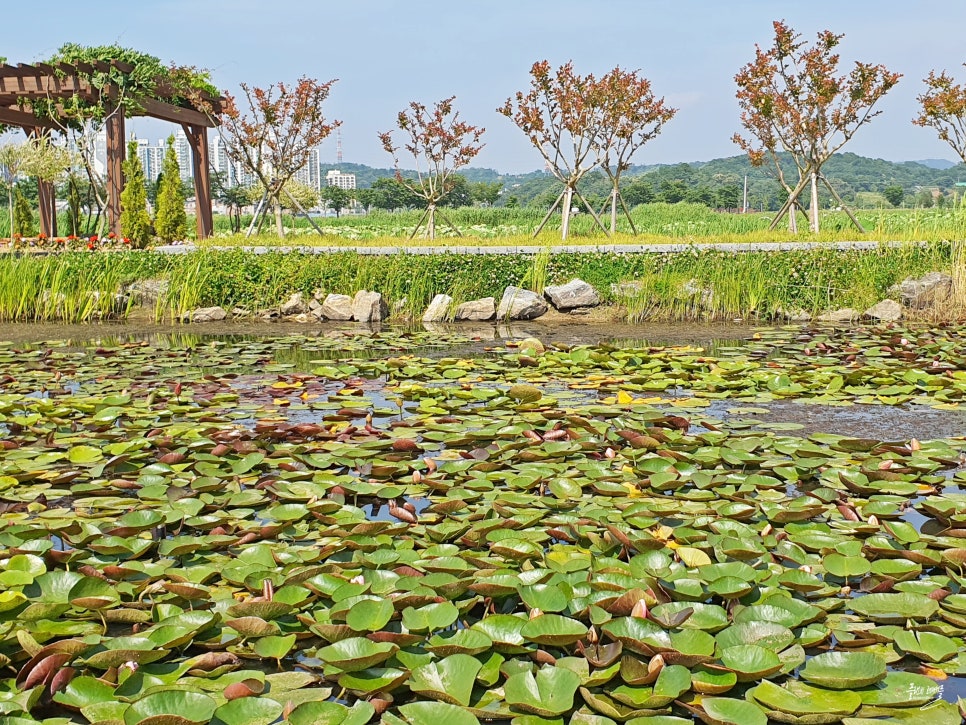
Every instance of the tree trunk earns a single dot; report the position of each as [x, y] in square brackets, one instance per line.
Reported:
[568, 198]
[793, 218]
[278, 217]
[813, 210]
[10, 207]
[613, 211]
[431, 223]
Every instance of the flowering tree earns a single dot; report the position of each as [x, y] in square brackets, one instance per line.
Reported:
[37, 156]
[561, 115]
[792, 100]
[440, 143]
[944, 110]
[274, 138]
[632, 116]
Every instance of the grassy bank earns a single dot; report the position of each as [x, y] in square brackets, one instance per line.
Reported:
[705, 284]
[655, 223]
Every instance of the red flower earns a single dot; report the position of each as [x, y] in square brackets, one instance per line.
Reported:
[126, 240]
[111, 235]
[93, 237]
[90, 245]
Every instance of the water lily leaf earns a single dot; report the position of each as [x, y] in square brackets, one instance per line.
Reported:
[844, 670]
[370, 615]
[356, 653]
[505, 632]
[433, 713]
[927, 646]
[248, 711]
[895, 608]
[797, 698]
[727, 711]
[553, 629]
[331, 713]
[462, 641]
[902, 689]
[545, 597]
[751, 662]
[374, 679]
[775, 637]
[548, 693]
[84, 455]
[171, 707]
[274, 646]
[449, 680]
[430, 618]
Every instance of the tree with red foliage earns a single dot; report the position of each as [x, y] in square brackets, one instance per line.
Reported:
[944, 110]
[274, 138]
[440, 143]
[793, 100]
[561, 114]
[632, 116]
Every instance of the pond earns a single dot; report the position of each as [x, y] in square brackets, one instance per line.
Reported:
[585, 524]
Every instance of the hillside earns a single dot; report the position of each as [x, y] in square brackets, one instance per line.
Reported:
[720, 182]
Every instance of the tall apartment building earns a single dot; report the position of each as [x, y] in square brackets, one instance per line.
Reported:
[337, 178]
[309, 174]
[152, 158]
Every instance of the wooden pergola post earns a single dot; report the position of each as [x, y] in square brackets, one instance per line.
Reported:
[115, 170]
[198, 140]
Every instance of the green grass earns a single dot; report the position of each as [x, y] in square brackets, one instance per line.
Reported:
[656, 223]
[670, 285]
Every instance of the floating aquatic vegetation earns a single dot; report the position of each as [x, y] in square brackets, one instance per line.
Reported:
[590, 534]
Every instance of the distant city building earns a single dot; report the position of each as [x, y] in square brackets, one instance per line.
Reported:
[309, 174]
[337, 178]
[152, 158]
[221, 163]
[182, 151]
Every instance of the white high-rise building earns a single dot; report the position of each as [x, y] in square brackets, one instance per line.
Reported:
[182, 150]
[337, 178]
[309, 174]
[152, 158]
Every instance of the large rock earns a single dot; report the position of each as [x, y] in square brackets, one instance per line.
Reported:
[206, 314]
[625, 290]
[369, 307]
[573, 295]
[520, 304]
[930, 289]
[476, 310]
[148, 291]
[315, 308]
[704, 296]
[337, 307]
[884, 311]
[796, 314]
[294, 305]
[846, 314]
[438, 308]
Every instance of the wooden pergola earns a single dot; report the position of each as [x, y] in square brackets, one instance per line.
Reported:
[22, 85]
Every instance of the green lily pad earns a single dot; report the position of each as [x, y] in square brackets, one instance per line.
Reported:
[844, 670]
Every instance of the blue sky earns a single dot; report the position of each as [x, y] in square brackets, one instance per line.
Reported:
[386, 53]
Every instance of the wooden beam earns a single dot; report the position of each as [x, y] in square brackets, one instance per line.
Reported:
[198, 140]
[175, 114]
[115, 170]
[16, 117]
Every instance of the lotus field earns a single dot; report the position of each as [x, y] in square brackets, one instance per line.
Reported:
[411, 529]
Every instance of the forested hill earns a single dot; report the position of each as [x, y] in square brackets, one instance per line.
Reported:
[720, 182]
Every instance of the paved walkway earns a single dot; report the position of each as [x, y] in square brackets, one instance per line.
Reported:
[554, 249]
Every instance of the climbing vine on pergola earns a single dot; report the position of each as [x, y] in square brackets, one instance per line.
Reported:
[109, 84]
